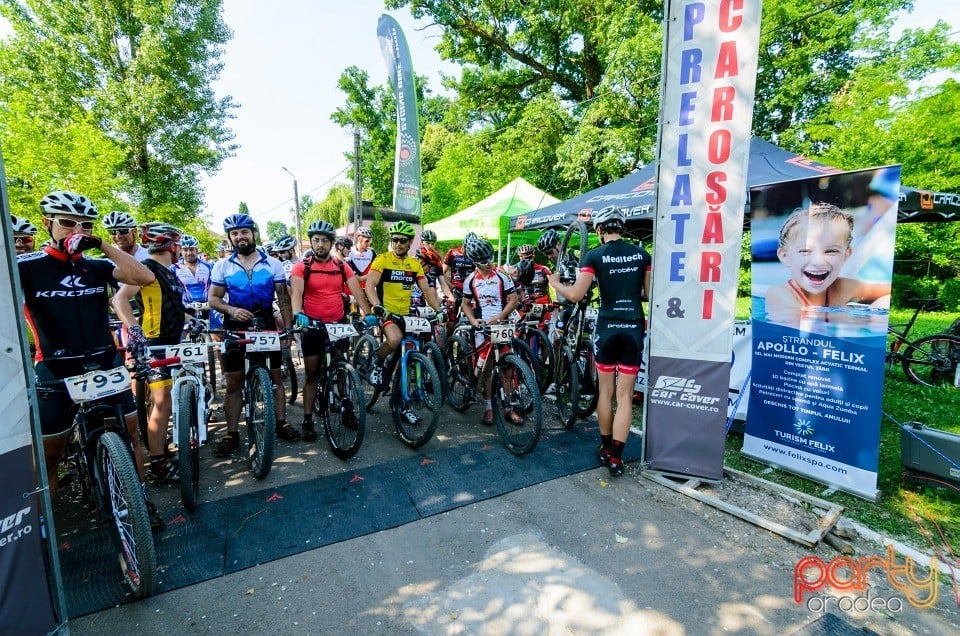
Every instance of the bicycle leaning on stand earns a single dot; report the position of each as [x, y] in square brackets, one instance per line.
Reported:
[931, 360]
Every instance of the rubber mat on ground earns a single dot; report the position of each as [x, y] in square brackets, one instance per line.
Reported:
[239, 532]
[832, 625]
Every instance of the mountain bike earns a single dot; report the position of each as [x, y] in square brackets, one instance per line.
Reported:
[513, 388]
[931, 360]
[258, 398]
[339, 400]
[102, 453]
[417, 391]
[191, 396]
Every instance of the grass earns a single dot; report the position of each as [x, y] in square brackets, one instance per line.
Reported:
[903, 510]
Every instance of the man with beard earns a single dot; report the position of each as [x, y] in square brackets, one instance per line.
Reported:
[316, 291]
[252, 279]
[23, 233]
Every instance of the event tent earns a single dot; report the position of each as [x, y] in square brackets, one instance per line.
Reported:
[767, 164]
[489, 217]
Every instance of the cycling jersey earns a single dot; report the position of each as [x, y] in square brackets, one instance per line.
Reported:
[323, 288]
[488, 292]
[66, 302]
[460, 266]
[288, 267]
[432, 274]
[196, 284]
[162, 317]
[535, 285]
[252, 290]
[361, 261]
[398, 275]
[619, 269]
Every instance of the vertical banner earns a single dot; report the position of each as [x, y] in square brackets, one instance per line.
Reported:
[26, 605]
[709, 75]
[406, 171]
[821, 275]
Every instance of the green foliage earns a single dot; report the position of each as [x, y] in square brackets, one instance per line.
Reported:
[381, 237]
[334, 208]
[276, 230]
[950, 294]
[243, 208]
[139, 74]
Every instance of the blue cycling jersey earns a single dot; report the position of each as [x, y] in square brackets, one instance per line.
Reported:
[197, 284]
[252, 290]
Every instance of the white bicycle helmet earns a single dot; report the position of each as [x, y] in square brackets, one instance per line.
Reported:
[119, 221]
[609, 215]
[23, 226]
[284, 243]
[365, 232]
[63, 202]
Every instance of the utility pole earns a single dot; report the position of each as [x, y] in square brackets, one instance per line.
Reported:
[296, 209]
[357, 184]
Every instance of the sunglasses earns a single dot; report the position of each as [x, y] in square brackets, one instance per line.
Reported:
[69, 224]
[23, 239]
[121, 232]
[482, 263]
[399, 239]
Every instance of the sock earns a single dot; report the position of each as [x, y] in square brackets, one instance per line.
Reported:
[281, 423]
[307, 420]
[606, 441]
[618, 448]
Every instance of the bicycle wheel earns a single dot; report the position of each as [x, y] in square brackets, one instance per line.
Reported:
[434, 354]
[567, 388]
[459, 362]
[261, 422]
[188, 443]
[932, 361]
[517, 410]
[127, 509]
[542, 350]
[288, 371]
[574, 245]
[522, 350]
[343, 415]
[416, 400]
[364, 354]
[586, 399]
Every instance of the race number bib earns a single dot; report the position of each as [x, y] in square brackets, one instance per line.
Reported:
[338, 332]
[187, 352]
[263, 341]
[592, 313]
[514, 316]
[97, 384]
[415, 324]
[500, 334]
[536, 310]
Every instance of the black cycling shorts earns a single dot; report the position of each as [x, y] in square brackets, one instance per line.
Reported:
[313, 342]
[233, 355]
[618, 346]
[57, 409]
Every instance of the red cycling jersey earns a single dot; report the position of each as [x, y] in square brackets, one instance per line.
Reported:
[322, 290]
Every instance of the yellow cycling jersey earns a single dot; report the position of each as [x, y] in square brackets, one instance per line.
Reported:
[397, 278]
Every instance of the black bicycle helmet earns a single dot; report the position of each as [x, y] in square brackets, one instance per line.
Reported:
[478, 249]
[285, 243]
[429, 236]
[343, 241]
[548, 239]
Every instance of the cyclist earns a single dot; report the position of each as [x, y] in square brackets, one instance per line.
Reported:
[362, 255]
[490, 294]
[285, 253]
[65, 302]
[316, 293]
[432, 266]
[23, 233]
[122, 228]
[549, 245]
[161, 323]
[531, 277]
[223, 249]
[622, 272]
[193, 273]
[392, 277]
[341, 248]
[253, 280]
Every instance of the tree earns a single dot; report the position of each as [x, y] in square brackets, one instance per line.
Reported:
[334, 208]
[243, 208]
[381, 237]
[142, 72]
[276, 230]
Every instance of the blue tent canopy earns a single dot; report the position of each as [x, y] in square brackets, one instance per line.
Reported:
[636, 193]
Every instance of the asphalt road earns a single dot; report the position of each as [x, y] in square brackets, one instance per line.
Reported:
[583, 554]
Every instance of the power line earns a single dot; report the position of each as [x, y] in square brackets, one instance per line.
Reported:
[289, 199]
